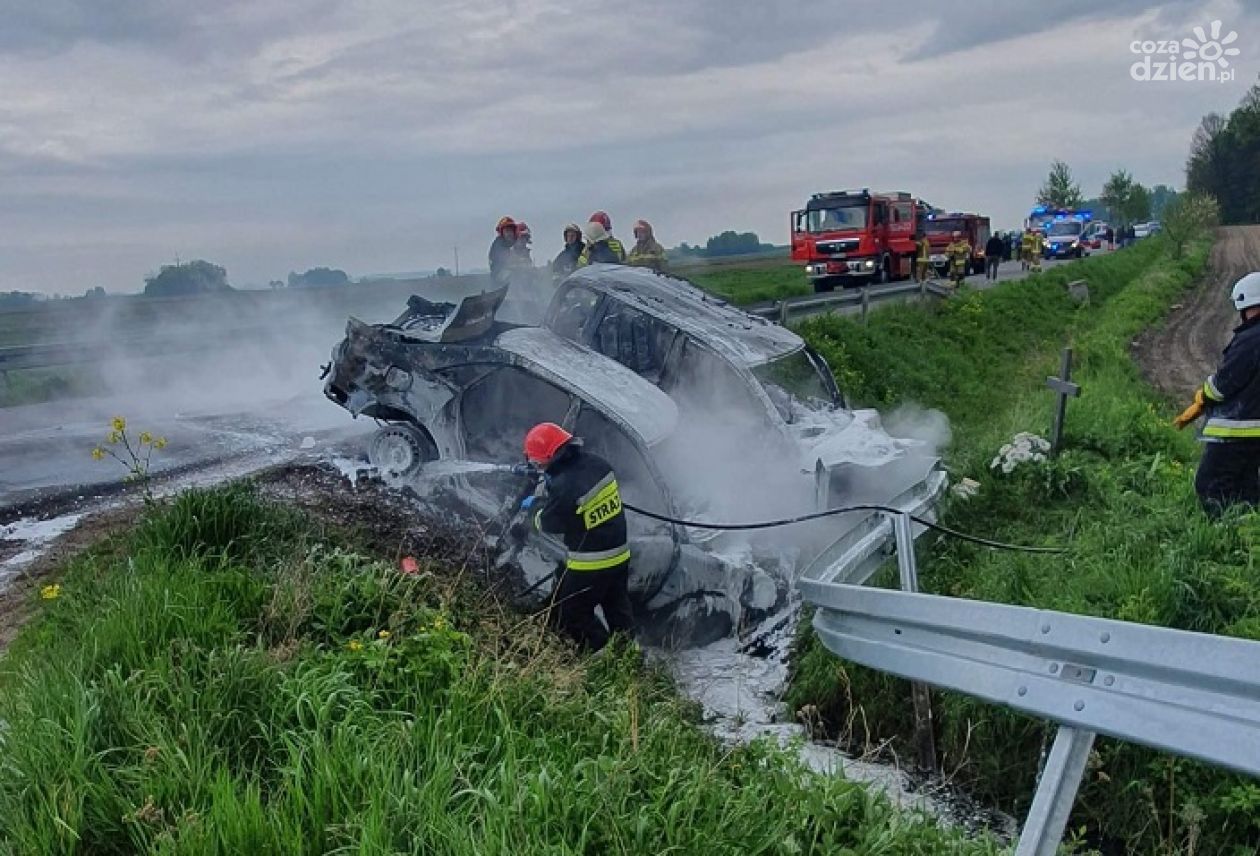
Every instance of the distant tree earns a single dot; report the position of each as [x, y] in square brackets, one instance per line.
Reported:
[441, 273]
[731, 243]
[1101, 210]
[17, 300]
[1137, 208]
[1161, 196]
[1115, 194]
[1187, 217]
[195, 277]
[276, 283]
[1060, 189]
[320, 277]
[1223, 157]
[94, 293]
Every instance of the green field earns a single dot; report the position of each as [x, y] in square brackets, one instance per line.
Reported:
[234, 677]
[751, 282]
[1121, 498]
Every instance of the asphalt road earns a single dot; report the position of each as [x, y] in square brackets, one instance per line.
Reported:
[46, 449]
[1007, 272]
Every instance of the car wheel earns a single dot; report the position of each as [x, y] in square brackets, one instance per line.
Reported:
[400, 450]
[823, 286]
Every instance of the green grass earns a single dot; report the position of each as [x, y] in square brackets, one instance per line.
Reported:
[32, 386]
[751, 283]
[232, 678]
[1121, 497]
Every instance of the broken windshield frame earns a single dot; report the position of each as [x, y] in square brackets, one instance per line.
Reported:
[794, 377]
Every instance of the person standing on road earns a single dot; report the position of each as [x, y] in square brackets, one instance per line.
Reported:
[567, 261]
[501, 251]
[958, 253]
[1038, 249]
[1110, 236]
[579, 501]
[1229, 471]
[994, 252]
[613, 244]
[922, 257]
[646, 252]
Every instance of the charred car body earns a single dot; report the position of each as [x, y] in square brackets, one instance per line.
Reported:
[706, 413]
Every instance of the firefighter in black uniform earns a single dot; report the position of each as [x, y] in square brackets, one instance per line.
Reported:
[1229, 471]
[581, 503]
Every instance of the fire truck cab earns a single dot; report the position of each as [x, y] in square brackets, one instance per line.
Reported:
[940, 227]
[854, 237]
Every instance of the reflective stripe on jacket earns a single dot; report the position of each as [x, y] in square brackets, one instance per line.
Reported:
[593, 253]
[583, 507]
[1232, 393]
[647, 254]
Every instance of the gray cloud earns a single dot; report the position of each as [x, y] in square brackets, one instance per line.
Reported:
[377, 136]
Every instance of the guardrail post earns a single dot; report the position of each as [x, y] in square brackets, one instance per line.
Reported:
[783, 313]
[924, 739]
[1056, 792]
[866, 301]
[923, 290]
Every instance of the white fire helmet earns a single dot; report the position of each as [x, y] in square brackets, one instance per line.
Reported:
[1247, 291]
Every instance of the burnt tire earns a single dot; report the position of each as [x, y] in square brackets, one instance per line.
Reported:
[401, 450]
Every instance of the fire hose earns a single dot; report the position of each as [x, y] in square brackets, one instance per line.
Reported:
[848, 509]
[818, 515]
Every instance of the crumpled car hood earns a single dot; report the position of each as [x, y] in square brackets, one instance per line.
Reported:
[856, 437]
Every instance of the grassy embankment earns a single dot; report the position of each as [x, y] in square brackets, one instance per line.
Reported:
[750, 282]
[235, 678]
[1121, 497]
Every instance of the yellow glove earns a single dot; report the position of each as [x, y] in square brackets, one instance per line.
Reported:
[1191, 413]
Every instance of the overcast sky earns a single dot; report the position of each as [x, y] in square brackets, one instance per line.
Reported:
[376, 136]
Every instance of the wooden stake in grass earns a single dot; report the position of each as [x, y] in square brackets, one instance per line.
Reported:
[1065, 388]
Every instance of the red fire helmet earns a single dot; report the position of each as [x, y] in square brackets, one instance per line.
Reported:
[543, 441]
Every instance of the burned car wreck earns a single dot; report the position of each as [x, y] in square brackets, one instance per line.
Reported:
[707, 413]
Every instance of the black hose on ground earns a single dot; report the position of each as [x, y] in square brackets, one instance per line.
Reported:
[817, 515]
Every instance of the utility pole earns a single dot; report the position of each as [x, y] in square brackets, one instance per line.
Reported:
[457, 260]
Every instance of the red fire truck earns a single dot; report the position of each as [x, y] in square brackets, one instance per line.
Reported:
[854, 237]
[940, 227]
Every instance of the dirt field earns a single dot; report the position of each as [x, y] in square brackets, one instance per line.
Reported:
[1177, 357]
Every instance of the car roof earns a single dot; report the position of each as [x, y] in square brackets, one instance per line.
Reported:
[746, 339]
[611, 387]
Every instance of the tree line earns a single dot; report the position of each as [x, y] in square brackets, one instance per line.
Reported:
[1123, 200]
[1223, 161]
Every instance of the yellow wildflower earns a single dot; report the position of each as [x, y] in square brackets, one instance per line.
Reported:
[354, 645]
[159, 443]
[439, 623]
[384, 634]
[51, 592]
[98, 453]
[145, 438]
[114, 436]
[118, 424]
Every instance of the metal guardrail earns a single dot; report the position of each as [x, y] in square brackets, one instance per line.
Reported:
[1190, 694]
[852, 301]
